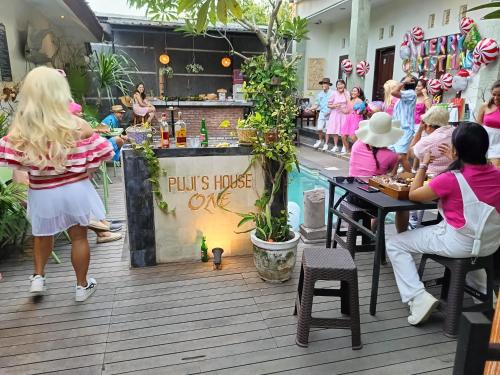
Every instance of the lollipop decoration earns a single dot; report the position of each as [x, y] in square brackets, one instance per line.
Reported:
[433, 86]
[346, 66]
[446, 80]
[362, 68]
[466, 25]
[417, 34]
[486, 51]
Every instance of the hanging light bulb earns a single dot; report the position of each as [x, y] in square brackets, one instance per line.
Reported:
[164, 57]
[226, 62]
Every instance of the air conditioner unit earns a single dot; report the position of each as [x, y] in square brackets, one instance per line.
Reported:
[33, 47]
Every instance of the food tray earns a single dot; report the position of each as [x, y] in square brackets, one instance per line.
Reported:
[396, 192]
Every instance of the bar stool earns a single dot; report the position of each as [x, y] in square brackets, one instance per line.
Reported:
[327, 264]
[454, 287]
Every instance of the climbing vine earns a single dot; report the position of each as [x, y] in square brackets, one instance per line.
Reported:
[155, 172]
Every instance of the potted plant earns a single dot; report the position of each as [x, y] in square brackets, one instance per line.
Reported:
[246, 131]
[166, 71]
[13, 222]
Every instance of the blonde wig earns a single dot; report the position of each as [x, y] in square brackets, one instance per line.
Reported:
[389, 86]
[43, 129]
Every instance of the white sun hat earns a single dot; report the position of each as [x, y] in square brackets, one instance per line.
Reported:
[380, 130]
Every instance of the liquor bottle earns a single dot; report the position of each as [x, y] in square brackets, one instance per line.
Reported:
[203, 134]
[204, 250]
[466, 113]
[164, 132]
[180, 132]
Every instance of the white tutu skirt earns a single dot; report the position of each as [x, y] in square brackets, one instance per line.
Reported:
[52, 211]
[494, 135]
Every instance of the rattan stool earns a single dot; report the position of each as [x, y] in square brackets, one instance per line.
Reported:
[454, 287]
[327, 264]
[350, 243]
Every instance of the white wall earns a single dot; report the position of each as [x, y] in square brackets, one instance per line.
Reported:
[325, 39]
[305, 8]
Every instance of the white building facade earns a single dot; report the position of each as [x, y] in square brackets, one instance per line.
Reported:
[373, 30]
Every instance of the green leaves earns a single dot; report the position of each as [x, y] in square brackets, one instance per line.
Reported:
[201, 22]
[493, 15]
[12, 213]
[294, 29]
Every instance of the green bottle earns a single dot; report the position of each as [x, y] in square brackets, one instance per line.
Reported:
[204, 250]
[203, 134]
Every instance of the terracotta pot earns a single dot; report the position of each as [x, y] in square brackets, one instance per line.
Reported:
[246, 136]
[275, 260]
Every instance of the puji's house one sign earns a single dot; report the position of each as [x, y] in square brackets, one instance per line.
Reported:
[192, 187]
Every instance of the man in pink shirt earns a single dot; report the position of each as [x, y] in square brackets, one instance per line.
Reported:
[435, 124]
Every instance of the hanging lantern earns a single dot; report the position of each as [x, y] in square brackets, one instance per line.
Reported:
[226, 62]
[164, 58]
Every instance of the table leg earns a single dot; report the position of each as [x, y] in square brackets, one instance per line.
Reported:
[379, 249]
[331, 197]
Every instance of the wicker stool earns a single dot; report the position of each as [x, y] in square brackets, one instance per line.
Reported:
[453, 287]
[139, 119]
[350, 243]
[327, 264]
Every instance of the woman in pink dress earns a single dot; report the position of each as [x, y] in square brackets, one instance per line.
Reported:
[338, 104]
[424, 102]
[489, 116]
[141, 106]
[355, 109]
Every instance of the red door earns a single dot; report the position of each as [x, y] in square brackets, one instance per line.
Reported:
[384, 67]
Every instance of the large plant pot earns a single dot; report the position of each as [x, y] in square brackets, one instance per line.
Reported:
[275, 260]
[246, 136]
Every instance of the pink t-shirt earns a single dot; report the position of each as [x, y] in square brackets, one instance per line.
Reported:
[484, 181]
[431, 143]
[362, 163]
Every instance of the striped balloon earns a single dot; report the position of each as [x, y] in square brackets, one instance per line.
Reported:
[363, 68]
[433, 86]
[446, 79]
[466, 24]
[417, 34]
[346, 66]
[485, 51]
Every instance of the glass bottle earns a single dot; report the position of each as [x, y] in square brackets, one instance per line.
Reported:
[203, 134]
[204, 250]
[164, 132]
[180, 132]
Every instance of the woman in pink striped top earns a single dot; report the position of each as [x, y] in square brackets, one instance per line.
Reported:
[57, 150]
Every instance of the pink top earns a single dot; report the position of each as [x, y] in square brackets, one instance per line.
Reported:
[86, 154]
[339, 98]
[492, 119]
[362, 163]
[484, 181]
[430, 143]
[419, 111]
[390, 108]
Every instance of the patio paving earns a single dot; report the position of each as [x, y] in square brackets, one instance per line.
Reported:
[185, 318]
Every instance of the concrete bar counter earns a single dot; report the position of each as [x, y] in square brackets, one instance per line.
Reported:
[194, 178]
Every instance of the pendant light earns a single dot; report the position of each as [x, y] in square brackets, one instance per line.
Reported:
[226, 62]
[164, 57]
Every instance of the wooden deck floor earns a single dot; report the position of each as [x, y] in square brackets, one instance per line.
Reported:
[185, 318]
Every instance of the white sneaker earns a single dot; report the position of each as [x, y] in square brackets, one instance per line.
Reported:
[421, 308]
[325, 147]
[343, 151]
[318, 143]
[37, 284]
[82, 293]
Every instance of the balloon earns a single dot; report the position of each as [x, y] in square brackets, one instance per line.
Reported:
[468, 61]
[346, 65]
[473, 37]
[417, 34]
[460, 81]
[363, 68]
[466, 24]
[404, 50]
[446, 80]
[433, 86]
[485, 52]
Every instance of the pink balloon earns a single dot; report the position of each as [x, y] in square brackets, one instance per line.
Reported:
[465, 25]
[433, 86]
[346, 65]
[362, 68]
[446, 81]
[486, 51]
[417, 34]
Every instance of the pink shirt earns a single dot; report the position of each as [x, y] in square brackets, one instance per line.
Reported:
[362, 163]
[430, 143]
[492, 119]
[484, 181]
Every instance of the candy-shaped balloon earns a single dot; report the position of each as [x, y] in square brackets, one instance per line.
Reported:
[433, 86]
[404, 50]
[472, 39]
[446, 79]
[485, 52]
[460, 80]
[363, 68]
[466, 24]
[417, 34]
[346, 65]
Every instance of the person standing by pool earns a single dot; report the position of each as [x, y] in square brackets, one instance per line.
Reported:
[404, 111]
[58, 150]
[337, 102]
[489, 116]
[356, 107]
[469, 201]
[324, 112]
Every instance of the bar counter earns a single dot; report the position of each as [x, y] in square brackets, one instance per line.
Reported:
[194, 178]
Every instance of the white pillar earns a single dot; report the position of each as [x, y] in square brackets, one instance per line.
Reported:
[358, 41]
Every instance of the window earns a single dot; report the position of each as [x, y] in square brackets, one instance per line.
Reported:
[343, 42]
[446, 17]
[391, 31]
[381, 33]
[463, 10]
[432, 19]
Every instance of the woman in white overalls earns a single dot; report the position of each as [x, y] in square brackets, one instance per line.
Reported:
[469, 201]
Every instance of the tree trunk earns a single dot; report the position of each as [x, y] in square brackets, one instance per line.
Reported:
[280, 201]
